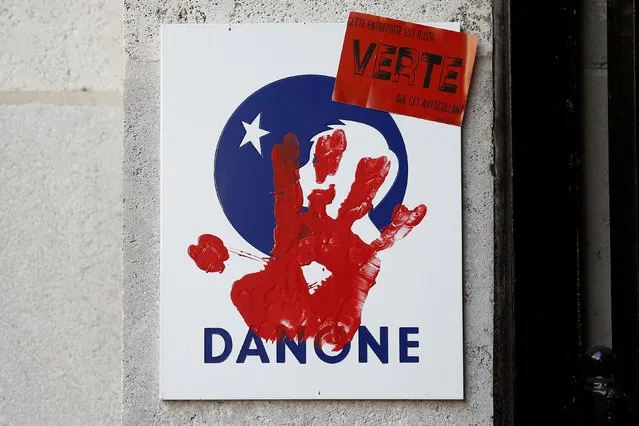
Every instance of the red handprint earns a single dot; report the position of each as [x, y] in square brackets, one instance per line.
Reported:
[276, 302]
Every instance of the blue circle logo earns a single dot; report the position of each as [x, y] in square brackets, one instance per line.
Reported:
[301, 105]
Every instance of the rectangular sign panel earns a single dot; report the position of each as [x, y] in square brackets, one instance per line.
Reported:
[407, 68]
[310, 249]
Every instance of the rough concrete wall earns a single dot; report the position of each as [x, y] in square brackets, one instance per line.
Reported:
[595, 200]
[141, 404]
[61, 72]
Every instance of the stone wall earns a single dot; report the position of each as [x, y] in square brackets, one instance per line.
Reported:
[61, 69]
[141, 404]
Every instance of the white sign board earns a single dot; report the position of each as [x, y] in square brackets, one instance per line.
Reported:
[309, 249]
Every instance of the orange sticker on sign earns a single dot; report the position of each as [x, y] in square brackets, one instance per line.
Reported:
[405, 68]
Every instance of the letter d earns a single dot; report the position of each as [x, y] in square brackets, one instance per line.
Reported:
[209, 358]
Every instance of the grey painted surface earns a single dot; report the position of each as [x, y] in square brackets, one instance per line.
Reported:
[595, 203]
[60, 212]
[141, 404]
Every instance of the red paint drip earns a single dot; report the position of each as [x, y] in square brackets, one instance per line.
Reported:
[209, 254]
[247, 255]
[328, 154]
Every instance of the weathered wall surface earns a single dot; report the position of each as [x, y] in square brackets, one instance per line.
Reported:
[61, 74]
[141, 404]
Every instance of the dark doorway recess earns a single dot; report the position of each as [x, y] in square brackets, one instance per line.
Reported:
[537, 296]
[543, 374]
[624, 214]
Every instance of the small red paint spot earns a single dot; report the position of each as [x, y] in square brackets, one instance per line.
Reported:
[328, 153]
[209, 254]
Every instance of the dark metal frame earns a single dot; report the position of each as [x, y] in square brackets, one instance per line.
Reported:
[504, 325]
[538, 374]
[537, 286]
[624, 193]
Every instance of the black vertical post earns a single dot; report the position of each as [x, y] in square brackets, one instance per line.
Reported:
[504, 325]
[544, 144]
[624, 212]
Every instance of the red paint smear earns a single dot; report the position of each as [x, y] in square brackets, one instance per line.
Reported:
[209, 254]
[403, 222]
[369, 176]
[328, 153]
[276, 302]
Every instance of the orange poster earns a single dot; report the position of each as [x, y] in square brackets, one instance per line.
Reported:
[405, 68]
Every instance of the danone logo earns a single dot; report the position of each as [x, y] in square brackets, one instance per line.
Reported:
[253, 346]
[299, 259]
[316, 187]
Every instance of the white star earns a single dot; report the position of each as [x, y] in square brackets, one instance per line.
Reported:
[253, 134]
